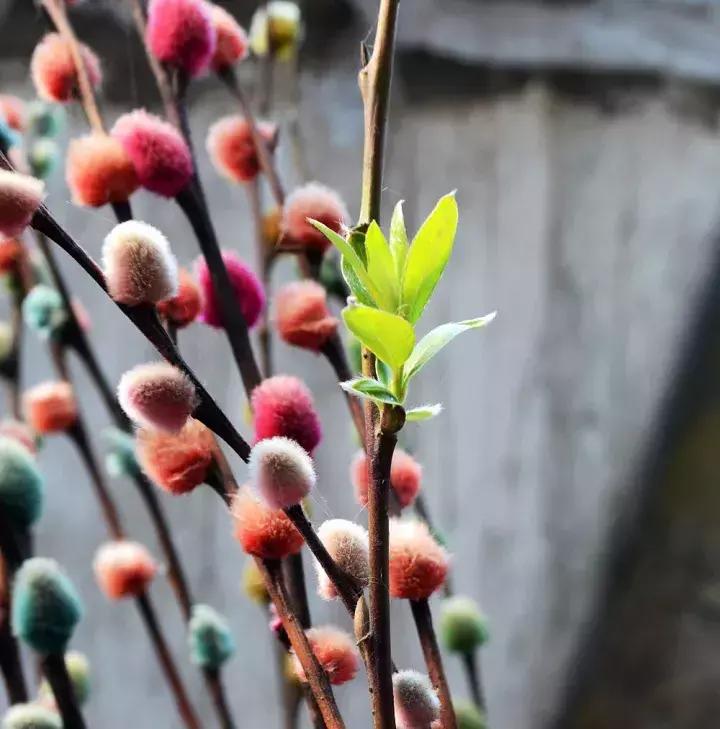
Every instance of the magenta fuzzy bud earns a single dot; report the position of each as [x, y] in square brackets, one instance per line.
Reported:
[281, 471]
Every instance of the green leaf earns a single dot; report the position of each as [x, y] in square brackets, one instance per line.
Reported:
[355, 284]
[398, 240]
[369, 389]
[383, 372]
[438, 338]
[428, 256]
[424, 412]
[386, 335]
[381, 268]
[350, 256]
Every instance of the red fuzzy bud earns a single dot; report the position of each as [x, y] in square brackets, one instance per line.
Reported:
[50, 407]
[184, 307]
[99, 171]
[11, 253]
[232, 150]
[347, 543]
[283, 406]
[181, 33]
[177, 462]
[281, 471]
[157, 395]
[418, 564]
[405, 477]
[263, 531]
[232, 41]
[53, 69]
[162, 159]
[12, 110]
[319, 203]
[19, 432]
[20, 197]
[336, 652]
[302, 317]
[248, 290]
[123, 569]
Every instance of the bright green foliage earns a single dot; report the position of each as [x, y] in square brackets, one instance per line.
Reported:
[22, 488]
[463, 627]
[78, 668]
[31, 716]
[389, 336]
[423, 412]
[468, 716]
[211, 642]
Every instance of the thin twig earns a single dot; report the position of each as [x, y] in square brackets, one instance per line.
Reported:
[56, 673]
[471, 661]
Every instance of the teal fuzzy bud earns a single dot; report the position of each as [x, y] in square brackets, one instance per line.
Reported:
[21, 486]
[211, 642]
[45, 606]
[462, 626]
[43, 157]
[31, 716]
[78, 668]
[44, 312]
[45, 120]
[468, 716]
[8, 137]
[120, 460]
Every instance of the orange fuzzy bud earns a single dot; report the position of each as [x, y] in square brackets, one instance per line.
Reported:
[336, 652]
[184, 307]
[177, 462]
[50, 407]
[319, 203]
[232, 150]
[405, 478]
[123, 569]
[232, 41]
[418, 564]
[99, 171]
[261, 530]
[302, 317]
[12, 109]
[20, 197]
[11, 252]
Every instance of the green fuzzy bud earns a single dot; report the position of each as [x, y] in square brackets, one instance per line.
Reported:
[43, 157]
[22, 488]
[210, 639]
[45, 606]
[31, 716]
[78, 668]
[6, 340]
[44, 312]
[462, 626]
[44, 119]
[276, 27]
[120, 460]
[468, 716]
[253, 584]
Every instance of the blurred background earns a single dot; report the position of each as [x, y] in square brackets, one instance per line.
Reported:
[575, 471]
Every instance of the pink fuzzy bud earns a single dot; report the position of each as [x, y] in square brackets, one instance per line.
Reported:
[336, 652]
[302, 316]
[232, 41]
[50, 407]
[53, 69]
[261, 530]
[416, 704]
[284, 406]
[281, 471]
[181, 33]
[157, 395]
[405, 477]
[317, 202]
[138, 264]
[161, 157]
[20, 197]
[248, 290]
[347, 544]
[184, 306]
[123, 569]
[232, 150]
[12, 109]
[418, 564]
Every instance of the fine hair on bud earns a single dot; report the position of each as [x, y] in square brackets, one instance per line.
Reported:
[232, 149]
[317, 202]
[282, 405]
[184, 306]
[210, 639]
[347, 543]
[261, 530]
[416, 703]
[177, 462]
[463, 627]
[45, 606]
[31, 716]
[405, 477]
[161, 156]
[99, 171]
[181, 33]
[22, 488]
[418, 564]
[78, 668]
[53, 70]
[282, 471]
[248, 290]
[20, 197]
[123, 569]
[50, 407]
[302, 317]
[157, 395]
[138, 264]
[335, 651]
[232, 43]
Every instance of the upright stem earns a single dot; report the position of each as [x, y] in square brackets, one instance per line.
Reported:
[433, 661]
[10, 661]
[56, 673]
[472, 669]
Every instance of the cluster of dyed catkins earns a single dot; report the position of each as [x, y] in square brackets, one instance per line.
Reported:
[170, 443]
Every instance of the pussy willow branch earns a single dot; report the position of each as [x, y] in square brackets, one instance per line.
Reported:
[56, 673]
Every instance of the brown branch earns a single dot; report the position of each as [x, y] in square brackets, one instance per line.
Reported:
[56, 673]
[471, 662]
